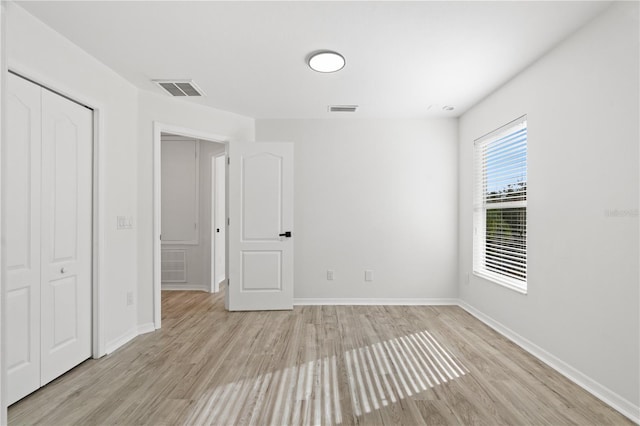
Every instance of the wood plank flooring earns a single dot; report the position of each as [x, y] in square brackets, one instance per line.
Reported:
[314, 365]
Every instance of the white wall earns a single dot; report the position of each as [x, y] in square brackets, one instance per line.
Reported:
[43, 55]
[153, 107]
[582, 105]
[372, 194]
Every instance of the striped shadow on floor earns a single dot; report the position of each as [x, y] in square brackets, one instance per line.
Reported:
[378, 375]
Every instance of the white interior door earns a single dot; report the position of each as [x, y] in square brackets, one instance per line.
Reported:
[261, 197]
[66, 235]
[22, 233]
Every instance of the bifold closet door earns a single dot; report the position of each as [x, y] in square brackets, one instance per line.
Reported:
[48, 229]
[22, 233]
[66, 235]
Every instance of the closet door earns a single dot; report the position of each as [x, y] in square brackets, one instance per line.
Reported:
[22, 233]
[66, 235]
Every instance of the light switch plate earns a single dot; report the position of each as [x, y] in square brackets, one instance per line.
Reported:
[124, 222]
[368, 275]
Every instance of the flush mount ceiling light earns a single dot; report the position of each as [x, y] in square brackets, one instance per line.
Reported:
[448, 108]
[326, 61]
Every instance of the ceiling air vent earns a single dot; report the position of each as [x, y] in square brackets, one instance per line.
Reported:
[343, 108]
[180, 87]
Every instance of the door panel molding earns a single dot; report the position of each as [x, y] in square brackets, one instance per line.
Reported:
[188, 235]
[261, 213]
[255, 265]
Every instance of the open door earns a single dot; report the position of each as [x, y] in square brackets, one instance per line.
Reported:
[261, 243]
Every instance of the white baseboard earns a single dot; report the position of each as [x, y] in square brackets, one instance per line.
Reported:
[146, 328]
[374, 301]
[625, 407]
[118, 342]
[189, 287]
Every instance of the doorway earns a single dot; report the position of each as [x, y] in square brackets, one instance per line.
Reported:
[189, 211]
[190, 228]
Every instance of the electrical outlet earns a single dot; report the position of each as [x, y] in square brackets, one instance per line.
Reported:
[129, 298]
[329, 275]
[368, 275]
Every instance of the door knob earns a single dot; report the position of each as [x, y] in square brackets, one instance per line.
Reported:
[286, 234]
[63, 270]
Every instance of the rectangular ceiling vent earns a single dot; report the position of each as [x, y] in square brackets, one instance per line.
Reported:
[343, 108]
[180, 87]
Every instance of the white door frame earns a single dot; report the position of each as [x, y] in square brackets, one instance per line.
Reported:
[3, 351]
[158, 129]
[215, 285]
[98, 208]
[213, 288]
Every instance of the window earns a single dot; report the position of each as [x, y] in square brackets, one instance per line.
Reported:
[500, 206]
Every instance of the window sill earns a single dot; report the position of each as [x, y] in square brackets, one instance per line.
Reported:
[503, 281]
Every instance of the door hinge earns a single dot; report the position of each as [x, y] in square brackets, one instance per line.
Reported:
[228, 160]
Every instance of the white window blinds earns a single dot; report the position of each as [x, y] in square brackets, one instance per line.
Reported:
[500, 205]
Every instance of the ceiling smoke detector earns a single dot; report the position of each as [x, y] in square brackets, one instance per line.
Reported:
[180, 87]
[342, 108]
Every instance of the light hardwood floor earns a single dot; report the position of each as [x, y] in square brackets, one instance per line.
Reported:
[313, 365]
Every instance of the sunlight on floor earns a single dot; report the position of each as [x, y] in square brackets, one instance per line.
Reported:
[378, 375]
